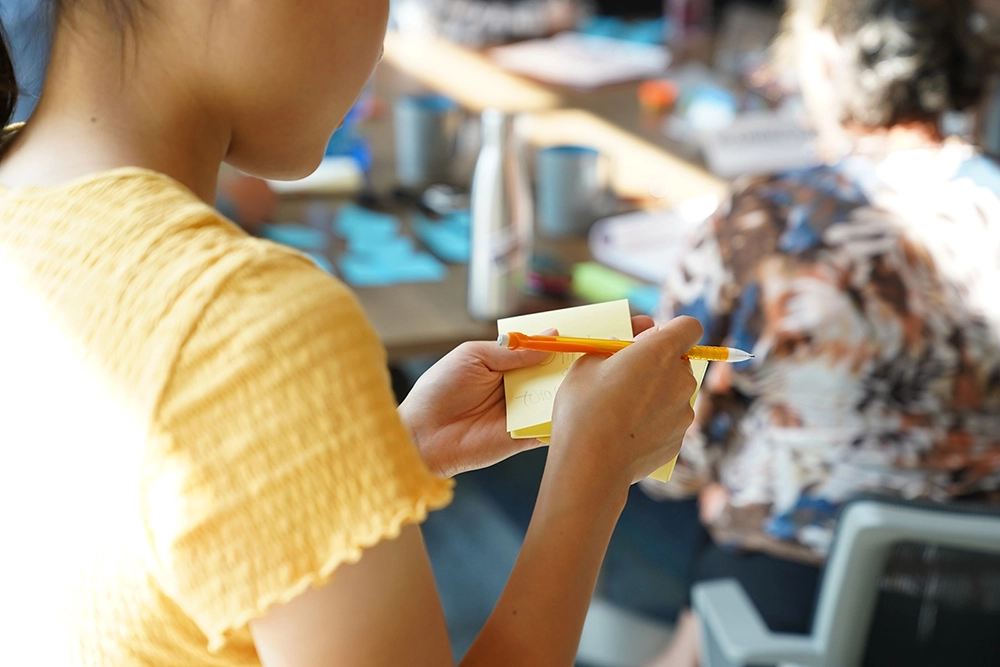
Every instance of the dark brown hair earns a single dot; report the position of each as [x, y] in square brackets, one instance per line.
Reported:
[8, 81]
[912, 59]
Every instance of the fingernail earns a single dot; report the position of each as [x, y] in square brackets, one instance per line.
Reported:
[549, 332]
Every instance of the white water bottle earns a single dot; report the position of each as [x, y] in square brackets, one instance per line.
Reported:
[502, 221]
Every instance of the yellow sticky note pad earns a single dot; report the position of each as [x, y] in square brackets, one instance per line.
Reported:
[698, 367]
[539, 431]
[530, 392]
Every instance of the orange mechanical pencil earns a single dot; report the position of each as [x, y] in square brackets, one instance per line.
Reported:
[520, 341]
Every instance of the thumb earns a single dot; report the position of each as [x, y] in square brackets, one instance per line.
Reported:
[499, 358]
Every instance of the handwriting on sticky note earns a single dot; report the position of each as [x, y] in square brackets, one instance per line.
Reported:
[531, 391]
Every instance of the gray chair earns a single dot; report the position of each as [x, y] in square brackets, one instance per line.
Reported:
[734, 635]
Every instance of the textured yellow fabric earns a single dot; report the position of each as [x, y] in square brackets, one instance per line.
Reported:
[195, 424]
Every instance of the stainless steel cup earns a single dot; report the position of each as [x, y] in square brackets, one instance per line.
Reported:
[426, 131]
[573, 189]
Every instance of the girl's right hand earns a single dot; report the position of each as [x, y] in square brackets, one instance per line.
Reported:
[619, 418]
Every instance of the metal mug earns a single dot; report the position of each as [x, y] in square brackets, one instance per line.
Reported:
[573, 189]
[426, 131]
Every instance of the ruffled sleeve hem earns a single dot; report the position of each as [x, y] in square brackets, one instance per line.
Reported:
[382, 528]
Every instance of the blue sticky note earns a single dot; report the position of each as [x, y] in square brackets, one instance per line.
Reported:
[385, 247]
[421, 267]
[353, 221]
[602, 26]
[368, 271]
[652, 31]
[302, 237]
[449, 239]
[362, 272]
[459, 220]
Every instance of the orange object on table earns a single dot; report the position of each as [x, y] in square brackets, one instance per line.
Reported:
[658, 94]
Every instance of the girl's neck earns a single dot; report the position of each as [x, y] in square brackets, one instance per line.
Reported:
[123, 112]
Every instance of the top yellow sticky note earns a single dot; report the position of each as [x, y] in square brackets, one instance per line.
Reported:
[531, 392]
[698, 368]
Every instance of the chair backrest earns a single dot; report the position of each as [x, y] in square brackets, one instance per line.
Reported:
[866, 530]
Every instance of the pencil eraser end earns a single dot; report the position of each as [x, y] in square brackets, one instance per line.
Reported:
[503, 340]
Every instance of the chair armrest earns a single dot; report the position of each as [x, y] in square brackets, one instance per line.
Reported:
[733, 626]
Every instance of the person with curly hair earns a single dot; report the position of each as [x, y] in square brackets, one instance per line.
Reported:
[867, 288]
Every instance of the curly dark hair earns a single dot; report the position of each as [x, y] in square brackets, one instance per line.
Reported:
[911, 59]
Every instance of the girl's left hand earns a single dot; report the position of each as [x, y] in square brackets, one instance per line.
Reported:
[456, 411]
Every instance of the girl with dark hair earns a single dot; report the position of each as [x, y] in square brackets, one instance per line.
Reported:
[202, 462]
[868, 290]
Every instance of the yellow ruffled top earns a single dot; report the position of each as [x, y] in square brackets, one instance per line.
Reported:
[196, 425]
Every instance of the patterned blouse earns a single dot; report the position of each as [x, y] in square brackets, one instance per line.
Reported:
[870, 293]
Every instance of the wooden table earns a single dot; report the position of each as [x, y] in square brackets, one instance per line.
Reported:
[431, 318]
